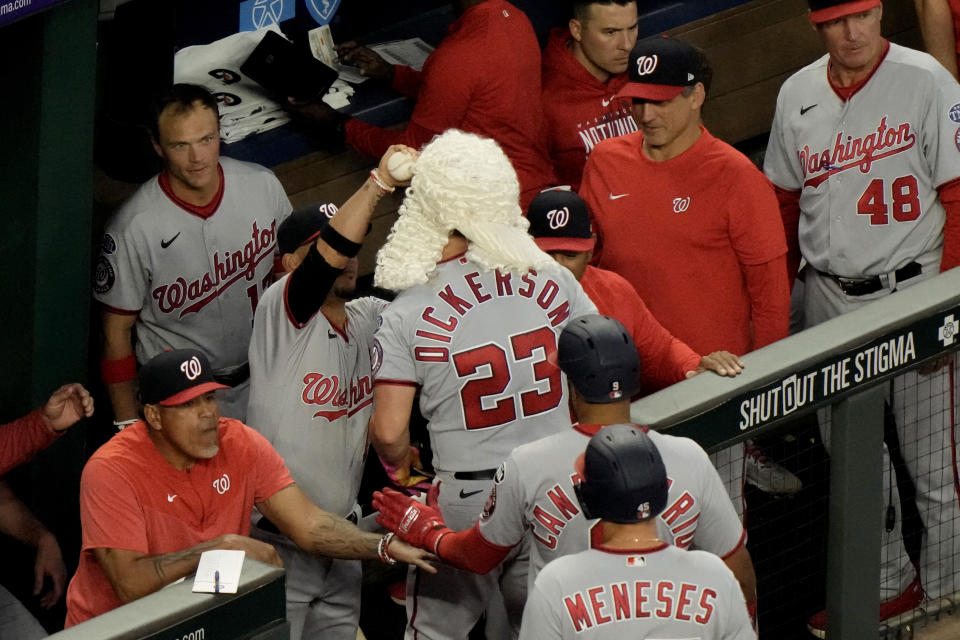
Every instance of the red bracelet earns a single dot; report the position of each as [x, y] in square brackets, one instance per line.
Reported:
[121, 370]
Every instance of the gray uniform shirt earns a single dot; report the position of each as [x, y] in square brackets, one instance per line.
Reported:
[660, 592]
[311, 394]
[868, 168]
[533, 492]
[193, 281]
[482, 347]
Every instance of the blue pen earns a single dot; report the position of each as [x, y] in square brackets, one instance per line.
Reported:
[216, 582]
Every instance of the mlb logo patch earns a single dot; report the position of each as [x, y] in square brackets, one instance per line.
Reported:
[954, 113]
[956, 139]
[643, 510]
[636, 561]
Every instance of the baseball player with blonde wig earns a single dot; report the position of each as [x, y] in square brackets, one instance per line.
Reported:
[474, 328]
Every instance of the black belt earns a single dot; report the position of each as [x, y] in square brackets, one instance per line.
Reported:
[238, 376]
[483, 474]
[866, 286]
[267, 525]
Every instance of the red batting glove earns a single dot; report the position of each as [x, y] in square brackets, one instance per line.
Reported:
[415, 523]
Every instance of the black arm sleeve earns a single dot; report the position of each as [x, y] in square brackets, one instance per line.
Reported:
[309, 285]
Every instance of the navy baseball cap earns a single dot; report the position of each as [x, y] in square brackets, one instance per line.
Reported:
[304, 225]
[660, 68]
[827, 10]
[560, 221]
[175, 377]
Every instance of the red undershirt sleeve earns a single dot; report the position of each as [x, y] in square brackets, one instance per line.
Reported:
[789, 202]
[470, 551]
[950, 199]
[769, 301]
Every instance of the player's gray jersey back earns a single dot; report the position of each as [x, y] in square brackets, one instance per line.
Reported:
[482, 347]
[534, 492]
[658, 592]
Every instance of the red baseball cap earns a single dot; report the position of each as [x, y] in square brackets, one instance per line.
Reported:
[827, 10]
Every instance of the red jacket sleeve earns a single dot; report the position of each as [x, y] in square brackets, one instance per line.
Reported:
[950, 199]
[470, 551]
[769, 301]
[406, 80]
[374, 141]
[789, 202]
[21, 439]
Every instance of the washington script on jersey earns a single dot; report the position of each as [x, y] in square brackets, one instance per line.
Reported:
[545, 293]
[852, 152]
[226, 270]
[321, 389]
[639, 599]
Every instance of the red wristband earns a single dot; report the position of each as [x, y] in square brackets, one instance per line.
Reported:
[122, 370]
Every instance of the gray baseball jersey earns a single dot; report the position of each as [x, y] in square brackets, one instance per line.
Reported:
[533, 492]
[311, 394]
[868, 168]
[658, 592]
[482, 347]
[193, 281]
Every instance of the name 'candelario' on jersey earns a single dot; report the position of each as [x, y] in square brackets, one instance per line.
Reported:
[226, 270]
[531, 285]
[640, 599]
[856, 152]
[554, 509]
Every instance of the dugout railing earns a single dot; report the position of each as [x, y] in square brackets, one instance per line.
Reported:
[842, 363]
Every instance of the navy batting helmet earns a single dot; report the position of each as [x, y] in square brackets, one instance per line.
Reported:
[624, 479]
[599, 358]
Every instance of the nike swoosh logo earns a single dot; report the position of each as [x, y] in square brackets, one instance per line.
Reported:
[166, 243]
[467, 494]
[605, 103]
[622, 195]
[803, 109]
[171, 497]
[331, 334]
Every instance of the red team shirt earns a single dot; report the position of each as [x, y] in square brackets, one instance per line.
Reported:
[580, 111]
[705, 254]
[483, 78]
[132, 498]
[665, 359]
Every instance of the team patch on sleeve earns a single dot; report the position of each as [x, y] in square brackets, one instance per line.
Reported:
[954, 113]
[109, 245]
[376, 356]
[490, 505]
[103, 276]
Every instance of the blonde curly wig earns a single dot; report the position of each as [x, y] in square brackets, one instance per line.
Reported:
[466, 183]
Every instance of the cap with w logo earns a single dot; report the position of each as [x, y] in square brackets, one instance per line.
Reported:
[175, 377]
[660, 68]
[559, 221]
